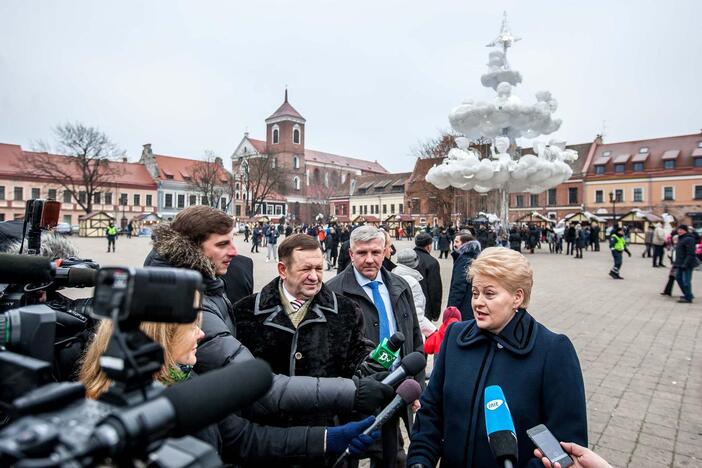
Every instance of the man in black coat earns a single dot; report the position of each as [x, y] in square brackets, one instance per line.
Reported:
[301, 327]
[685, 262]
[428, 267]
[387, 304]
[238, 280]
[466, 250]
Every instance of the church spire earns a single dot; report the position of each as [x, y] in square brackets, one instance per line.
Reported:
[286, 93]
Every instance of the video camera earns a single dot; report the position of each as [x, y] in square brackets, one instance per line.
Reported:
[57, 426]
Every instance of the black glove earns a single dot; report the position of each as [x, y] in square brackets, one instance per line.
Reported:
[370, 367]
[371, 393]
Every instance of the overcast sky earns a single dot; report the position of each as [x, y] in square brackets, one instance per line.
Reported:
[371, 77]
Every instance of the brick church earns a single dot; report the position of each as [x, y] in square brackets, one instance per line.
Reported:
[305, 179]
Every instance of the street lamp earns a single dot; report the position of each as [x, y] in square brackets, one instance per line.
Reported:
[613, 200]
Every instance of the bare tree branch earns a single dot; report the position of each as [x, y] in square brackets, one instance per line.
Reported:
[212, 181]
[261, 177]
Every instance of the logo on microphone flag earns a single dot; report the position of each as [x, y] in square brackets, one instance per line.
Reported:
[492, 405]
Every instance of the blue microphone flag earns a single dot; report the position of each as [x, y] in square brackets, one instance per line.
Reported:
[497, 415]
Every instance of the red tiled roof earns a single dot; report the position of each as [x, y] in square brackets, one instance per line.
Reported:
[176, 168]
[287, 110]
[259, 145]
[344, 161]
[12, 158]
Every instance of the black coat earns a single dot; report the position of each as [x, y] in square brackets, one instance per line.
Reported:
[344, 257]
[444, 242]
[460, 293]
[239, 278]
[515, 241]
[539, 373]
[328, 342]
[685, 252]
[431, 285]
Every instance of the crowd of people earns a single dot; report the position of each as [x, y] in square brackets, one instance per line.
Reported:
[317, 335]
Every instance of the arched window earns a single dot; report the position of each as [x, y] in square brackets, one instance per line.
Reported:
[296, 162]
[296, 134]
[276, 135]
[296, 182]
[326, 179]
[316, 177]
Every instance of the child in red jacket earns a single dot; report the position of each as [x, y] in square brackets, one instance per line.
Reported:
[433, 343]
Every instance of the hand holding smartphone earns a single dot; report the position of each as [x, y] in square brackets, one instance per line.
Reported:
[549, 446]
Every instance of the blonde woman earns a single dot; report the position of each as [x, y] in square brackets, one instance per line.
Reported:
[237, 440]
[537, 369]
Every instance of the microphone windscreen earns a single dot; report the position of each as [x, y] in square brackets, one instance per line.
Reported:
[395, 342]
[81, 276]
[497, 415]
[210, 397]
[414, 363]
[24, 269]
[409, 390]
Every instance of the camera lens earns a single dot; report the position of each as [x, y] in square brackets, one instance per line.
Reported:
[8, 321]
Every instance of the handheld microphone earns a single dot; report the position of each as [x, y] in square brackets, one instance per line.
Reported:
[15, 269]
[411, 365]
[500, 427]
[406, 393]
[183, 408]
[387, 352]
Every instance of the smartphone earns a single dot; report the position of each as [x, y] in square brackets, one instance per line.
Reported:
[549, 446]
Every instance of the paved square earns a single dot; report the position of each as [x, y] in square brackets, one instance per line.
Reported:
[641, 353]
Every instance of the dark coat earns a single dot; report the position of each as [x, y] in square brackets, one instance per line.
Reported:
[444, 242]
[685, 252]
[515, 240]
[220, 346]
[431, 285]
[539, 372]
[328, 342]
[344, 257]
[238, 280]
[460, 293]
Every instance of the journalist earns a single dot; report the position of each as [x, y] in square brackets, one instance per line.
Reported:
[200, 238]
[503, 345]
[237, 440]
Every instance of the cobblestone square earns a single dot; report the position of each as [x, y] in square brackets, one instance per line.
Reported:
[641, 353]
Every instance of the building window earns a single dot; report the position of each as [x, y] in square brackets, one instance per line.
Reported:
[193, 200]
[296, 162]
[606, 153]
[638, 194]
[108, 198]
[573, 195]
[377, 209]
[599, 196]
[296, 182]
[643, 150]
[36, 193]
[669, 164]
[296, 135]
[551, 196]
[137, 199]
[619, 168]
[149, 201]
[392, 208]
[668, 194]
[619, 195]
[276, 135]
[51, 194]
[168, 201]
[19, 193]
[181, 200]
[123, 197]
[2, 192]
[82, 197]
[67, 219]
[698, 192]
[638, 167]
[237, 210]
[223, 203]
[599, 170]
[273, 163]
[520, 201]
[96, 198]
[67, 196]
[353, 209]
[534, 199]
[698, 162]
[326, 179]
[203, 201]
[399, 208]
[385, 209]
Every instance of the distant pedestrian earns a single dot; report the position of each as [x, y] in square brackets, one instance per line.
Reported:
[272, 244]
[247, 233]
[515, 239]
[255, 239]
[130, 228]
[595, 237]
[658, 244]
[444, 244]
[111, 233]
[685, 262]
[617, 245]
[579, 240]
[648, 242]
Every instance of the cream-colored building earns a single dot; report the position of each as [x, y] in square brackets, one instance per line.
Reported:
[376, 198]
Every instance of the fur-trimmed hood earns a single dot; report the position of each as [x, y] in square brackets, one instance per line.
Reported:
[180, 252]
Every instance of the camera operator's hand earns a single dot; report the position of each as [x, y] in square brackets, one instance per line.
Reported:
[582, 457]
[371, 393]
[351, 435]
[369, 367]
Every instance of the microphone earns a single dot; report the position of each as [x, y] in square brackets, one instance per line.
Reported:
[406, 393]
[500, 427]
[183, 408]
[388, 350]
[25, 269]
[411, 365]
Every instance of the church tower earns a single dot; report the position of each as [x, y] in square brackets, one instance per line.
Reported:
[285, 130]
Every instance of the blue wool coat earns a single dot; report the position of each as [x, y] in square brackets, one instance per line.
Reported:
[539, 373]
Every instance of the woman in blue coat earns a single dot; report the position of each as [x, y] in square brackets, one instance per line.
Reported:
[538, 371]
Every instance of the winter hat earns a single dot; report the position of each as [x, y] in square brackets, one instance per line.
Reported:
[407, 257]
[451, 312]
[423, 239]
[684, 227]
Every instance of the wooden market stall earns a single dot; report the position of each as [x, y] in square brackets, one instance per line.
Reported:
[637, 222]
[366, 219]
[394, 221]
[537, 219]
[94, 224]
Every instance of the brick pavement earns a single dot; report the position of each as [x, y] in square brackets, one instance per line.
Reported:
[641, 353]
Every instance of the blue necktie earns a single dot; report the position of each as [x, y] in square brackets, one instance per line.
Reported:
[382, 314]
